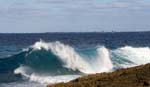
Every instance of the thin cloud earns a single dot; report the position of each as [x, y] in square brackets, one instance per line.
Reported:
[34, 7]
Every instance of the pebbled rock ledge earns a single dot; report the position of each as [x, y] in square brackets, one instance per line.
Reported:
[138, 76]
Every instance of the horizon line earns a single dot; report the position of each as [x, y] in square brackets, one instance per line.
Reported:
[72, 32]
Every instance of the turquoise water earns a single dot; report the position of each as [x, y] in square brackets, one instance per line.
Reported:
[40, 59]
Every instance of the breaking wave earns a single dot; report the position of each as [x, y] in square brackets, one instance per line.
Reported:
[57, 62]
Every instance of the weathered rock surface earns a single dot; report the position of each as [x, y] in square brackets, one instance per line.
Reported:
[131, 77]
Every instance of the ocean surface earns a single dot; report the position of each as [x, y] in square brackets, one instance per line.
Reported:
[35, 60]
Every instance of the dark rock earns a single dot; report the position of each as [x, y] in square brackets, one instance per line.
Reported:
[146, 83]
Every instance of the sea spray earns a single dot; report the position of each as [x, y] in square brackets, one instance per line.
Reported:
[103, 60]
[139, 55]
[47, 62]
[74, 61]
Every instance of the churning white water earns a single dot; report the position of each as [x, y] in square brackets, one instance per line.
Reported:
[73, 60]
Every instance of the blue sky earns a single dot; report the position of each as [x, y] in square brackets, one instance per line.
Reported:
[74, 15]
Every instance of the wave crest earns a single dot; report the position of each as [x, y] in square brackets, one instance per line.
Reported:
[74, 61]
[54, 59]
[138, 56]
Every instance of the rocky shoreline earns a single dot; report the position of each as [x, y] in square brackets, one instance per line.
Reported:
[131, 77]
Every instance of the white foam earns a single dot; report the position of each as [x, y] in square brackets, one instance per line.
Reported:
[103, 63]
[138, 56]
[71, 60]
[52, 79]
[41, 78]
[74, 61]
[66, 54]
[23, 70]
[22, 84]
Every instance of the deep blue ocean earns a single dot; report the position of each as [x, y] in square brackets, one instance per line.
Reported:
[35, 60]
